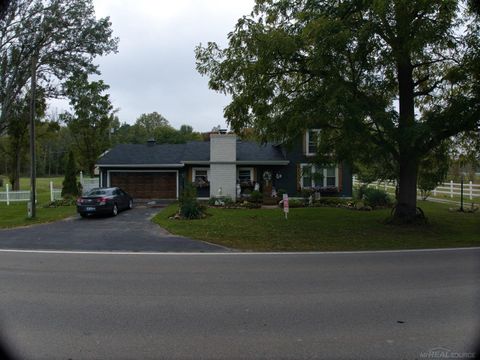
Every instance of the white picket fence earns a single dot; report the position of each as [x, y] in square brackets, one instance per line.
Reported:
[451, 189]
[10, 196]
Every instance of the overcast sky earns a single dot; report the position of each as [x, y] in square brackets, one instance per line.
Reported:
[154, 69]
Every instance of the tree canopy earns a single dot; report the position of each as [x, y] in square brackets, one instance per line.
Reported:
[386, 81]
[91, 121]
[55, 37]
[153, 126]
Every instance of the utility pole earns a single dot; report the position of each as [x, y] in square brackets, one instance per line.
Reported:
[33, 165]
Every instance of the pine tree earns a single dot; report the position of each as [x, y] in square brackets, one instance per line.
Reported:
[70, 186]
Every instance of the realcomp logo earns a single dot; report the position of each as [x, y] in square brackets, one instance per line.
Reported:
[445, 353]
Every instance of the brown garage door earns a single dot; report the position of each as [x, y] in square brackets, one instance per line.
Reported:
[146, 185]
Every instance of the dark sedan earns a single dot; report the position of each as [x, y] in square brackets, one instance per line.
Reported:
[104, 201]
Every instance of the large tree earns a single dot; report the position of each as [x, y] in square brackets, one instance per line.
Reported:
[386, 80]
[91, 120]
[54, 37]
[17, 132]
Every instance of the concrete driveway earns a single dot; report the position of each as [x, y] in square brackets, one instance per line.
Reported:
[131, 230]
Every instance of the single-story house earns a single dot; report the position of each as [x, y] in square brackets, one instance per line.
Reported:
[223, 166]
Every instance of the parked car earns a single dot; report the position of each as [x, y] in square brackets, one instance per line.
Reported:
[104, 201]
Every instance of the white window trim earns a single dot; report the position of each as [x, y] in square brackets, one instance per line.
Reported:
[244, 169]
[307, 141]
[313, 180]
[194, 170]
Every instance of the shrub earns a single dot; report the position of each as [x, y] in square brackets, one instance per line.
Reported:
[294, 203]
[255, 197]
[280, 193]
[228, 202]
[70, 185]
[68, 201]
[306, 193]
[359, 192]
[190, 208]
[328, 190]
[332, 201]
[250, 205]
[225, 201]
[376, 197]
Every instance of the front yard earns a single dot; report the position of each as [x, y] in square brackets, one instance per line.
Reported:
[15, 214]
[325, 229]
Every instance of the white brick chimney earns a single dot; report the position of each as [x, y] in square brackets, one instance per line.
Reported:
[223, 168]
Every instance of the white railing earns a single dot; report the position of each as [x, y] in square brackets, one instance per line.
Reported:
[452, 189]
[9, 196]
[55, 194]
[470, 190]
[88, 184]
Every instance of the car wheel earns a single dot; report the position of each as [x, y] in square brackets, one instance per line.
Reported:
[115, 210]
[130, 204]
[83, 215]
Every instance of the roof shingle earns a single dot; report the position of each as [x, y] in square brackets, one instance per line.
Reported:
[163, 154]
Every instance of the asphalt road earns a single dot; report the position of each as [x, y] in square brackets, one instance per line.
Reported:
[397, 305]
[131, 230]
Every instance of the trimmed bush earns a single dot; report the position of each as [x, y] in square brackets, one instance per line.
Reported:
[332, 201]
[376, 198]
[255, 197]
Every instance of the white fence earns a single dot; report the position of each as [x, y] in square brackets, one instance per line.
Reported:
[55, 194]
[9, 196]
[451, 189]
[88, 184]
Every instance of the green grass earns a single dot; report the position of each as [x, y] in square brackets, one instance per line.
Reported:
[15, 214]
[326, 229]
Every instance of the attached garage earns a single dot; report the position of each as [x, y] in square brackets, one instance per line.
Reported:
[146, 184]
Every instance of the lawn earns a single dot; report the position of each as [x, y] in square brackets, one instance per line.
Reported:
[326, 229]
[15, 214]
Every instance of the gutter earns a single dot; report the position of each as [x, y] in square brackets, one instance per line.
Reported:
[243, 162]
[140, 165]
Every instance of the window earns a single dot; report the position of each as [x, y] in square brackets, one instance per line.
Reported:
[312, 138]
[330, 177]
[200, 177]
[321, 177]
[307, 180]
[245, 174]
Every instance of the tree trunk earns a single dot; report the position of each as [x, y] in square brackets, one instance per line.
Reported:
[16, 172]
[408, 158]
[407, 195]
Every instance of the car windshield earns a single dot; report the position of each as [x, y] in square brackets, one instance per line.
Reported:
[97, 192]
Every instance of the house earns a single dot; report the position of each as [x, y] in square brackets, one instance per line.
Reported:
[223, 166]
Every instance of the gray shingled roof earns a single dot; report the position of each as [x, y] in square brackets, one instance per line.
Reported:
[133, 154]
[252, 151]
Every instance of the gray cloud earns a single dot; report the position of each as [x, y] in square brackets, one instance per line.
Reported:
[154, 69]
